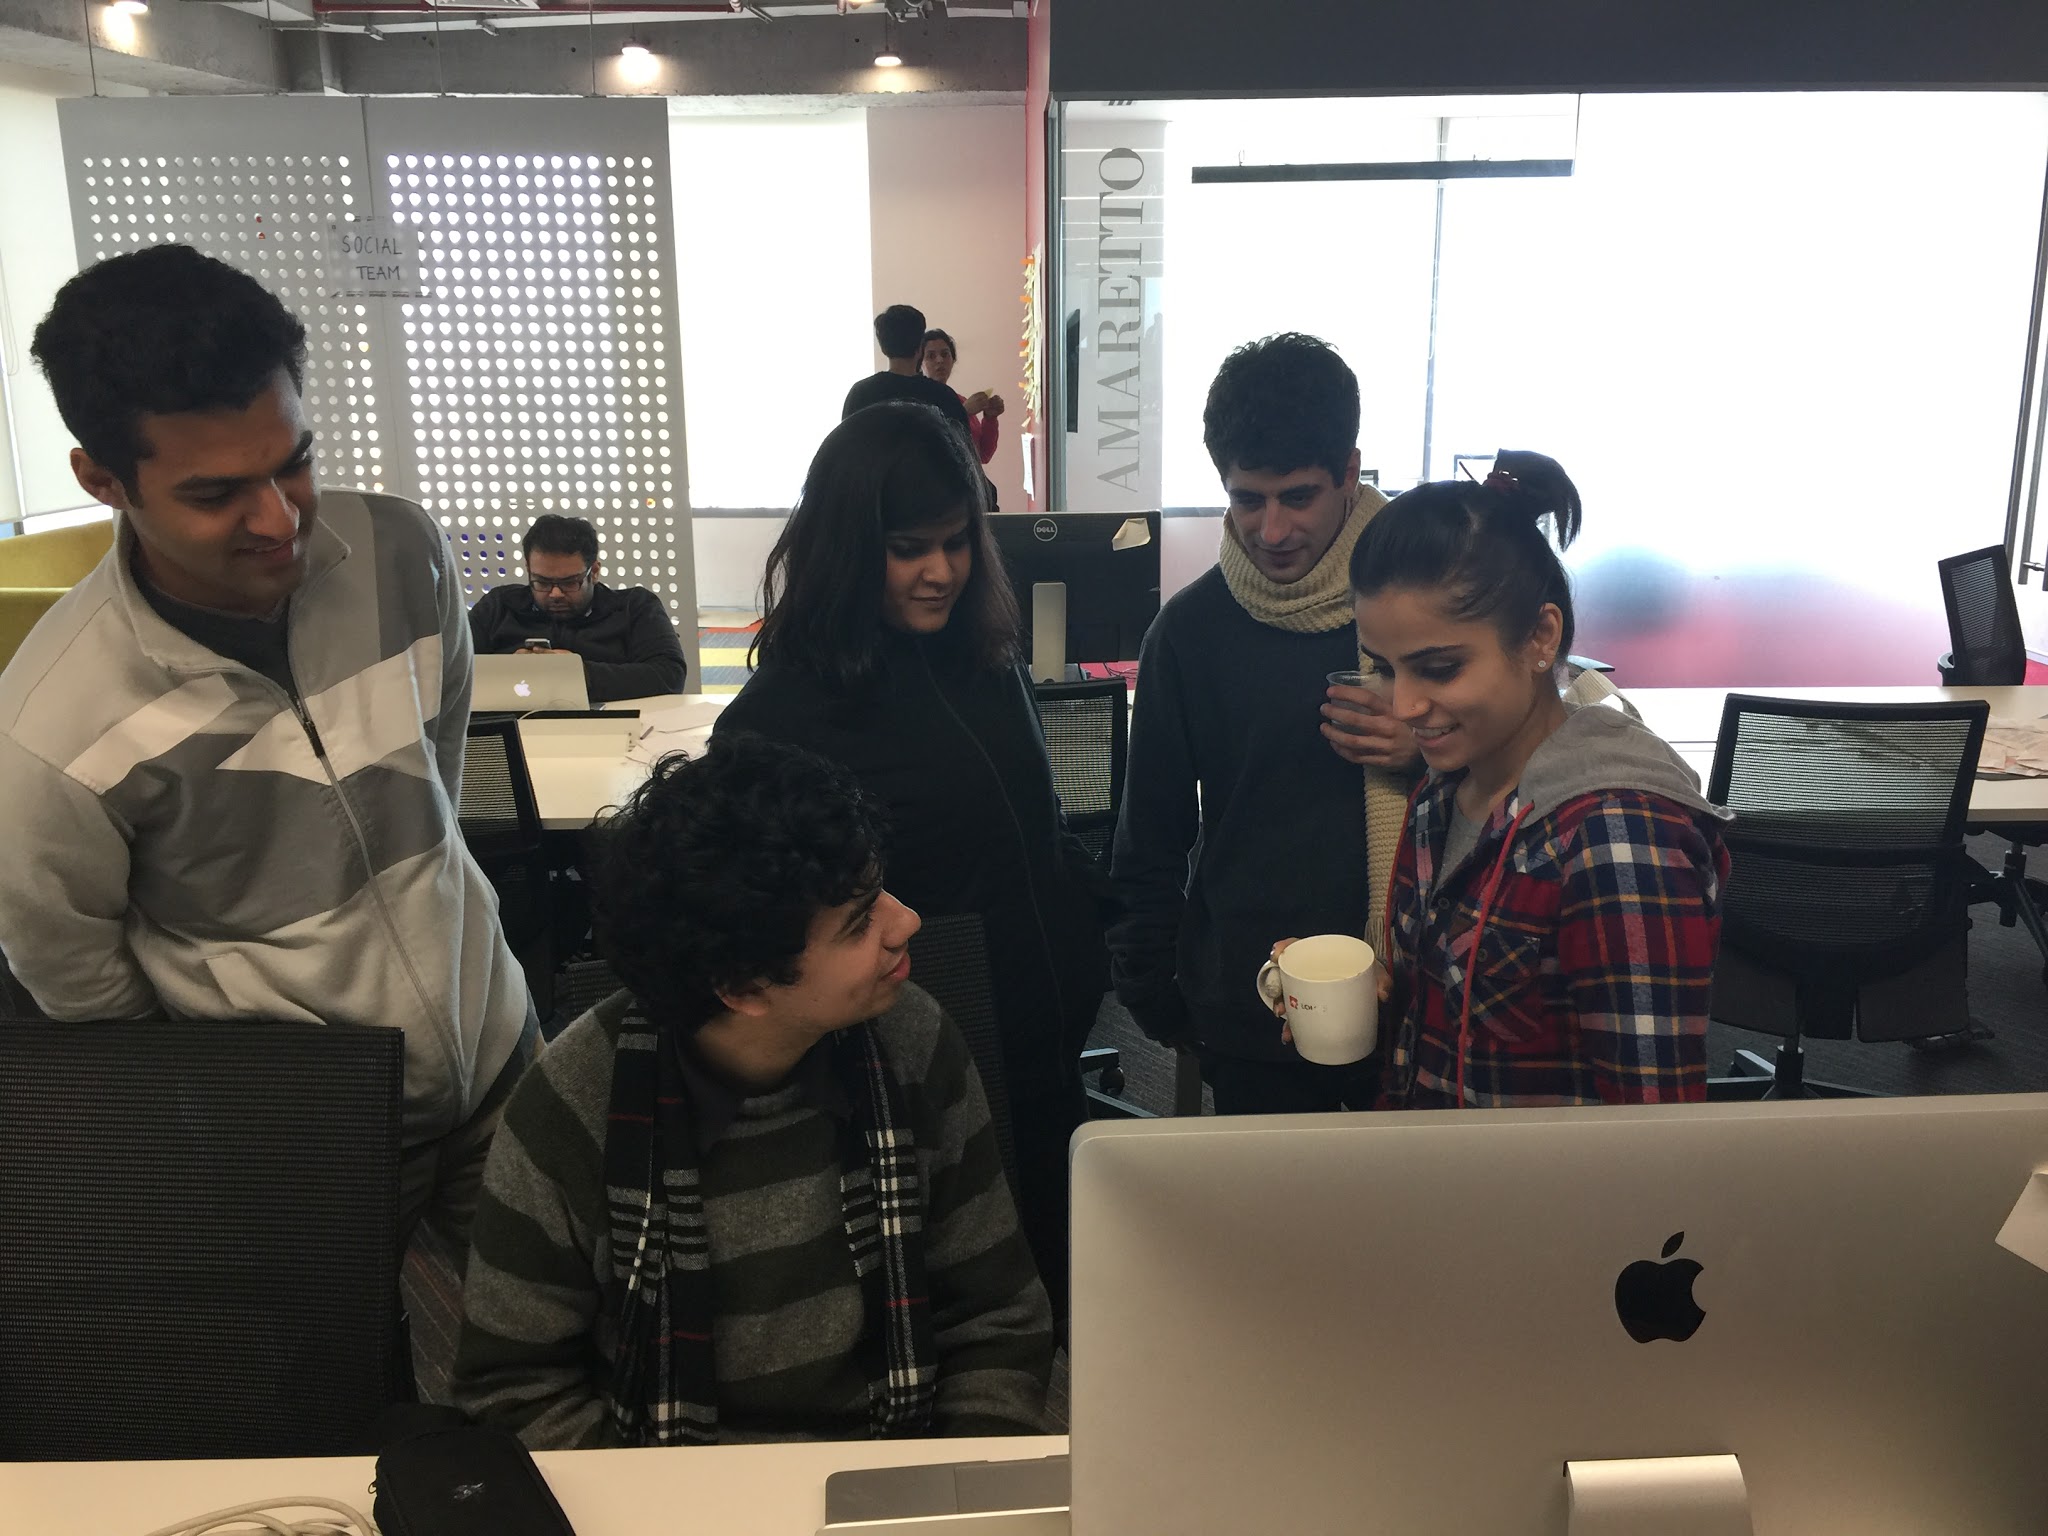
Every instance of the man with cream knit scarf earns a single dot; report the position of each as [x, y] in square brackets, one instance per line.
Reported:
[1245, 820]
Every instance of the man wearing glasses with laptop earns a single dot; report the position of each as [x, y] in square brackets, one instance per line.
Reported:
[628, 644]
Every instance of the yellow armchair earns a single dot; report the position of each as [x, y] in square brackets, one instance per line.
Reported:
[20, 608]
[60, 558]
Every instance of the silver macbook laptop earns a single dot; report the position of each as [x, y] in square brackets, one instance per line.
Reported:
[551, 681]
[1412, 1323]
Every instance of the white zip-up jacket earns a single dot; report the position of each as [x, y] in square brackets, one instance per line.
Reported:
[180, 838]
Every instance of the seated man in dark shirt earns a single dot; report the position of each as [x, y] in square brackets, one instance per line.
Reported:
[629, 647]
[899, 332]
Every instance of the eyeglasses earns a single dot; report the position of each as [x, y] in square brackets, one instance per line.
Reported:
[568, 586]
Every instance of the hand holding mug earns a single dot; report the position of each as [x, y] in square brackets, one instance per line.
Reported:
[1326, 991]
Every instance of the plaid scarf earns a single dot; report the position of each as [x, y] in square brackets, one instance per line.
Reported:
[663, 1378]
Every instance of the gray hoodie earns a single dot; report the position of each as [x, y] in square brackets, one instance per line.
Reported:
[1600, 746]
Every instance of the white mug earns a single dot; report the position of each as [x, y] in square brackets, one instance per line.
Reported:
[1331, 996]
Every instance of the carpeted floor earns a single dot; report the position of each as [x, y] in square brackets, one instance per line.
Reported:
[722, 652]
[2007, 996]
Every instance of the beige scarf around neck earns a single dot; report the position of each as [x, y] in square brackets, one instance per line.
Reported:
[1315, 605]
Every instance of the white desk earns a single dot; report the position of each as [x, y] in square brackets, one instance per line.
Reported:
[740, 1490]
[1690, 719]
[582, 767]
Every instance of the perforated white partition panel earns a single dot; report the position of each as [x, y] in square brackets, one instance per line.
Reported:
[539, 374]
[253, 181]
[543, 369]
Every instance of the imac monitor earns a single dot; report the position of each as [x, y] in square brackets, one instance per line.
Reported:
[1087, 583]
[1413, 1322]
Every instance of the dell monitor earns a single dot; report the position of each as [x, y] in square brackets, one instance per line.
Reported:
[1087, 583]
[1437, 1322]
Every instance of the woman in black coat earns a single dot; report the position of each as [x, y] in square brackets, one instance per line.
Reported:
[889, 646]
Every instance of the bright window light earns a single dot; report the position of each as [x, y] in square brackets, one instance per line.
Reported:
[752, 301]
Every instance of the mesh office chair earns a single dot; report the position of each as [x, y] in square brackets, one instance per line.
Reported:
[1986, 650]
[198, 1238]
[501, 823]
[949, 959]
[1087, 740]
[1846, 909]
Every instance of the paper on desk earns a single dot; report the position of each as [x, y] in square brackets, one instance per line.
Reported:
[681, 727]
[2026, 1230]
[2014, 749]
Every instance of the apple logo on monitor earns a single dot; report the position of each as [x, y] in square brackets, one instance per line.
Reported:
[523, 689]
[1655, 1300]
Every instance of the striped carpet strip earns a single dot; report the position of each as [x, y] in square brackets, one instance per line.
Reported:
[722, 655]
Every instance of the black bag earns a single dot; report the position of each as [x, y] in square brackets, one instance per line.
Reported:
[473, 1481]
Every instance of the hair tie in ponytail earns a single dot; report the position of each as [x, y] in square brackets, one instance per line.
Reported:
[1500, 480]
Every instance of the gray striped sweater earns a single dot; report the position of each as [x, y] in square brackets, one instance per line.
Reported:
[537, 1338]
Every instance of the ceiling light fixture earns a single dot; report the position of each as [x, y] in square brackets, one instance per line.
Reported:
[888, 58]
[637, 64]
[130, 7]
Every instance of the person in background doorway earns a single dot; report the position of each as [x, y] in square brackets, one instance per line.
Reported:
[982, 407]
[233, 753]
[628, 643]
[899, 332]
[1556, 897]
[889, 646]
[1232, 764]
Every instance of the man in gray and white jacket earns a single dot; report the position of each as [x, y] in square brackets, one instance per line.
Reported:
[232, 754]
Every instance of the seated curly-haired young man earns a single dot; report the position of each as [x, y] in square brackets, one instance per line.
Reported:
[755, 1195]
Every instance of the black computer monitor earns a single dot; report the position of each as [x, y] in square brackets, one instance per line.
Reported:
[1109, 565]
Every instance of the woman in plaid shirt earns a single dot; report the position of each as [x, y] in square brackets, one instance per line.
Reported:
[1555, 901]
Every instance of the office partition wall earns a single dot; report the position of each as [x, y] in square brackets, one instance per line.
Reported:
[530, 365]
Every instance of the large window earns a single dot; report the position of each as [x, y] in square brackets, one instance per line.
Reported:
[1777, 339]
[773, 282]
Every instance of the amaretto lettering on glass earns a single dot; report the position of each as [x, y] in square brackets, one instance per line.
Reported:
[1113, 212]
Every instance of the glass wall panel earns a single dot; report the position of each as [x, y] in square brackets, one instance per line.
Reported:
[1777, 339]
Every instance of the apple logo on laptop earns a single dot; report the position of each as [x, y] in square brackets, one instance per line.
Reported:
[523, 689]
[1655, 1300]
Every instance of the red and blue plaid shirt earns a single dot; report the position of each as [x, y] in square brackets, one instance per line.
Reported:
[1593, 965]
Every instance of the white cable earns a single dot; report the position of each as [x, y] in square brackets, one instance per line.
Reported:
[265, 1517]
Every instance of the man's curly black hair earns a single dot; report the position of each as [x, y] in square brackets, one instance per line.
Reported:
[1285, 403]
[708, 879]
[157, 332]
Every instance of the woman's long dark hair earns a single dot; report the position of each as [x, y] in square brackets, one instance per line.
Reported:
[886, 469]
[1481, 542]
